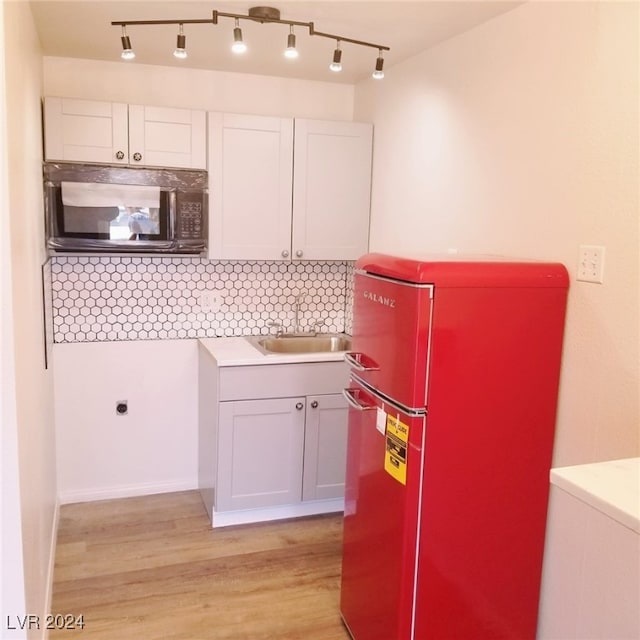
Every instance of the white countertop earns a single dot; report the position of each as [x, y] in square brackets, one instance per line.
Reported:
[612, 487]
[234, 352]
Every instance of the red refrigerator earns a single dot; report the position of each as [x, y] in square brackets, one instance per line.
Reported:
[454, 382]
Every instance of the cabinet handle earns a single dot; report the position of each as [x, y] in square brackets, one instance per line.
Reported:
[285, 254]
[137, 156]
[314, 404]
[299, 253]
[299, 406]
[120, 155]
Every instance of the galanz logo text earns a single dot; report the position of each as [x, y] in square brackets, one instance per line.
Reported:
[374, 297]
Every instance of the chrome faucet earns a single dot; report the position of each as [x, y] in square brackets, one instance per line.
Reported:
[275, 324]
[299, 300]
[316, 326]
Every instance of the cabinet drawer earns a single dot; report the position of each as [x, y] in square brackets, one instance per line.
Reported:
[282, 380]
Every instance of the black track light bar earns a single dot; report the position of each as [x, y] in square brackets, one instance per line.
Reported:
[256, 14]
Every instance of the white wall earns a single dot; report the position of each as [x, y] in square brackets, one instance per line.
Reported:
[520, 138]
[33, 384]
[12, 592]
[152, 449]
[196, 89]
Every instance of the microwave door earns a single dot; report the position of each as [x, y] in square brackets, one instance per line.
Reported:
[113, 218]
[112, 229]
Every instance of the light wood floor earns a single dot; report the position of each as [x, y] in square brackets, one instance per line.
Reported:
[152, 568]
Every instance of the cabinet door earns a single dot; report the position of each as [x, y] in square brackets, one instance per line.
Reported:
[250, 177]
[85, 131]
[260, 447]
[325, 447]
[332, 190]
[163, 137]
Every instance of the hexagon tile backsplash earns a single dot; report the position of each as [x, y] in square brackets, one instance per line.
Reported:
[142, 298]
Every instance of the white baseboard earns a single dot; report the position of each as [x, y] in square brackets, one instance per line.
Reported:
[228, 518]
[52, 563]
[126, 491]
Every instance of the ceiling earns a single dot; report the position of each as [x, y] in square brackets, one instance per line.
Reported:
[82, 29]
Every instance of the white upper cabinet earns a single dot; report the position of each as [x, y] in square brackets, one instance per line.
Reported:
[86, 131]
[117, 133]
[331, 189]
[168, 137]
[250, 187]
[283, 189]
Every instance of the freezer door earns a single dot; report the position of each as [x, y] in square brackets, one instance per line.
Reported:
[391, 327]
[382, 502]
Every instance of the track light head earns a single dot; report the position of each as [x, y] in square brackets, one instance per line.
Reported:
[127, 51]
[181, 51]
[291, 51]
[336, 64]
[238, 45]
[378, 74]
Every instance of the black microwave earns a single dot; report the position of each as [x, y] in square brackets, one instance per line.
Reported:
[104, 209]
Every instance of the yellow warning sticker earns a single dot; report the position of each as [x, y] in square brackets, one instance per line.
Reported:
[395, 457]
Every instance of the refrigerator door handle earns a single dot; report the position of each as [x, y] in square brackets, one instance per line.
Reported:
[352, 397]
[360, 361]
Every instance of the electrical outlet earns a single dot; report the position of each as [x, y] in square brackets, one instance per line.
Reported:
[210, 301]
[591, 264]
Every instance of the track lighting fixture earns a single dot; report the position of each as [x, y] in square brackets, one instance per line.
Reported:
[181, 51]
[127, 51]
[378, 74]
[336, 64]
[238, 45]
[291, 51]
[256, 14]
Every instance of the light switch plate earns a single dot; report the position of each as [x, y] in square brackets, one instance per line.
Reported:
[591, 264]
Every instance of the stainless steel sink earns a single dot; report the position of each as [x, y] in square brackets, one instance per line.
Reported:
[321, 343]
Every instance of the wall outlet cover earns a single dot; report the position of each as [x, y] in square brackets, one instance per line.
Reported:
[210, 301]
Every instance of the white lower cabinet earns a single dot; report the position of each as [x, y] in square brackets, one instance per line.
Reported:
[272, 440]
[325, 447]
[260, 449]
